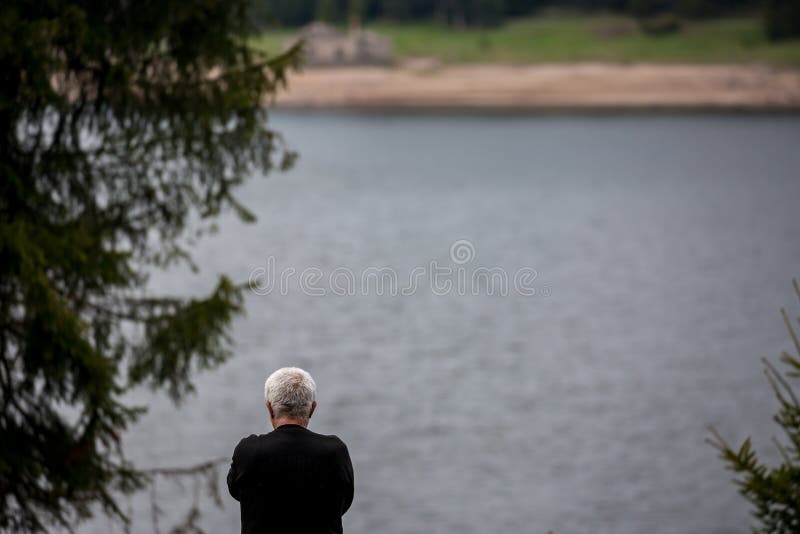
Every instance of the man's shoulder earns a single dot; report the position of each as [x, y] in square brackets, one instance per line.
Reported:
[328, 441]
[246, 442]
[255, 441]
[333, 438]
[333, 441]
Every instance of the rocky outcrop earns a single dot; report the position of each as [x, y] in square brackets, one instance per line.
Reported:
[326, 46]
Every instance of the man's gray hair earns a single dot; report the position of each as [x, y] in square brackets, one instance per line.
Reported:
[290, 391]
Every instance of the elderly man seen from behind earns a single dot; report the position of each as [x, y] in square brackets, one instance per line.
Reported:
[291, 479]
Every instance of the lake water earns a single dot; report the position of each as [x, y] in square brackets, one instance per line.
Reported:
[663, 246]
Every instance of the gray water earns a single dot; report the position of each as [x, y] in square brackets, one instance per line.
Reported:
[664, 248]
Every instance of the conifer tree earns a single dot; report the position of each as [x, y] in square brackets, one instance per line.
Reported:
[774, 491]
[121, 121]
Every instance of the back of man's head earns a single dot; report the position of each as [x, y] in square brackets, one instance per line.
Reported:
[291, 392]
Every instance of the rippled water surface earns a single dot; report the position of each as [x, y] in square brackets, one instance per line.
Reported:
[664, 248]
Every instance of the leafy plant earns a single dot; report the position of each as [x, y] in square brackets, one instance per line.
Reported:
[773, 491]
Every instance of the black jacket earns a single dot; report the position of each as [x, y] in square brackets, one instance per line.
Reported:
[291, 480]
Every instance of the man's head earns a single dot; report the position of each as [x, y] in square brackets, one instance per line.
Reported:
[290, 393]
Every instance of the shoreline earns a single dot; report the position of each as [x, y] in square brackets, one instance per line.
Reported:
[553, 88]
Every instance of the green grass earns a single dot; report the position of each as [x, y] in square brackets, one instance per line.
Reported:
[270, 42]
[583, 38]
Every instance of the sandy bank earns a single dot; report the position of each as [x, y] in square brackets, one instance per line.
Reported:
[555, 86]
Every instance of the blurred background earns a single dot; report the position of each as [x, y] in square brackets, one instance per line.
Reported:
[639, 157]
[554, 30]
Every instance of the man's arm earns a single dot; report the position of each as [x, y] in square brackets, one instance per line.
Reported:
[348, 482]
[233, 476]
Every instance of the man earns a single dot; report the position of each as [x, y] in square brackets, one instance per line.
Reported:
[291, 480]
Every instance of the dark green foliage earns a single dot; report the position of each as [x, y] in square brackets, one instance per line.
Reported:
[515, 8]
[655, 17]
[289, 12]
[484, 12]
[396, 10]
[782, 19]
[120, 121]
[356, 10]
[649, 8]
[773, 491]
[462, 13]
[327, 11]
[457, 13]
[697, 9]
[662, 24]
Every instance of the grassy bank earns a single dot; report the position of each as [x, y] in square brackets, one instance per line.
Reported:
[581, 38]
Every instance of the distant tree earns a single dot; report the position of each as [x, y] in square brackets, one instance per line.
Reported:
[395, 10]
[120, 123]
[655, 17]
[485, 12]
[516, 8]
[774, 492]
[327, 11]
[356, 11]
[697, 8]
[782, 19]
[457, 13]
[260, 15]
[714, 8]
[650, 8]
[462, 13]
[291, 12]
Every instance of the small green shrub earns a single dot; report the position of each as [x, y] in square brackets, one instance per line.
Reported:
[697, 9]
[774, 491]
[663, 24]
[655, 17]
